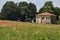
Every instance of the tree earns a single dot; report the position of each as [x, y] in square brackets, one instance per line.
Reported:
[1, 16]
[57, 12]
[23, 10]
[27, 11]
[9, 10]
[48, 7]
[31, 11]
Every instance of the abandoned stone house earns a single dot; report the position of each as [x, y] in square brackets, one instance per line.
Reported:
[46, 18]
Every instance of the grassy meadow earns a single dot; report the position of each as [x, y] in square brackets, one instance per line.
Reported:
[11, 30]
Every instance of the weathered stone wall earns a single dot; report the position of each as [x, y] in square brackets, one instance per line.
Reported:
[45, 19]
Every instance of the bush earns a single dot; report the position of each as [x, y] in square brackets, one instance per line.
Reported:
[28, 20]
[58, 22]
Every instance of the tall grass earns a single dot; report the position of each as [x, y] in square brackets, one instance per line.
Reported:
[30, 32]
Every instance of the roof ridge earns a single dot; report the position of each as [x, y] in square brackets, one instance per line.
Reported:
[47, 14]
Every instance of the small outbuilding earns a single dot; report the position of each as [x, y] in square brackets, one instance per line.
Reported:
[46, 18]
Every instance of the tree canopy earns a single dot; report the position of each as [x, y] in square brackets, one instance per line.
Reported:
[21, 11]
[9, 10]
[48, 7]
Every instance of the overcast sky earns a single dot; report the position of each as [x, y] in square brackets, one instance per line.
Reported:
[38, 3]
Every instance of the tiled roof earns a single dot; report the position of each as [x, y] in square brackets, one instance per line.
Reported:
[46, 14]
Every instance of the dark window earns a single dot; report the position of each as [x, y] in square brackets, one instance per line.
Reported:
[47, 17]
[42, 17]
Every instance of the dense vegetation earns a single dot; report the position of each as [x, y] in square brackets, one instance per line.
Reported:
[28, 31]
[49, 7]
[24, 11]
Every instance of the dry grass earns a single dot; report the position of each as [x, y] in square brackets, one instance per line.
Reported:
[15, 24]
[23, 24]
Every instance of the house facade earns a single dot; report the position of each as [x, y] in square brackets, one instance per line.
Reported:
[46, 18]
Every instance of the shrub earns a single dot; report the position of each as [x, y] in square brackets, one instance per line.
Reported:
[28, 20]
[58, 22]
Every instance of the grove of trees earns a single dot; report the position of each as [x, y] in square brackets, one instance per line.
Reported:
[24, 11]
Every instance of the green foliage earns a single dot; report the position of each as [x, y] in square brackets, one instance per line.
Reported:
[28, 20]
[58, 22]
[23, 7]
[57, 12]
[22, 10]
[48, 7]
[31, 10]
[9, 10]
[27, 10]
[1, 15]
